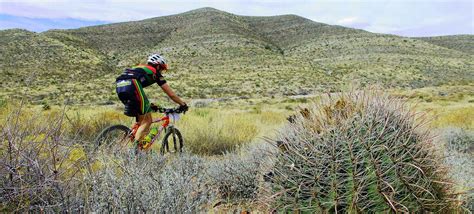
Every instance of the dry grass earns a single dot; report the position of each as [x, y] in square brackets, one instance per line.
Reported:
[462, 116]
[447, 105]
[216, 133]
[206, 131]
[211, 131]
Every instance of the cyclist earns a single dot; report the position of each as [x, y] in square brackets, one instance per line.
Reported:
[130, 86]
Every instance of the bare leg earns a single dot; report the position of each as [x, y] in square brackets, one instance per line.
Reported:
[145, 123]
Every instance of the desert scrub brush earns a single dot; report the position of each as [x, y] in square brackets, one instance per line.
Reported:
[153, 184]
[360, 152]
[235, 177]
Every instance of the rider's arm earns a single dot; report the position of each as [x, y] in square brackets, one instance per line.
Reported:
[166, 88]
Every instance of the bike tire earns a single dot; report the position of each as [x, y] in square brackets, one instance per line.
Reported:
[112, 134]
[176, 139]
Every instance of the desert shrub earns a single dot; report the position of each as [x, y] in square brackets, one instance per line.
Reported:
[37, 165]
[459, 148]
[42, 169]
[147, 184]
[235, 176]
[459, 139]
[46, 107]
[201, 104]
[359, 152]
[461, 167]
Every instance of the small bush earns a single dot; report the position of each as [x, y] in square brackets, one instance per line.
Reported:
[147, 184]
[46, 107]
[37, 165]
[236, 176]
[459, 148]
[460, 140]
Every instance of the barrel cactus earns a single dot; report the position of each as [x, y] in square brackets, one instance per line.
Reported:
[361, 152]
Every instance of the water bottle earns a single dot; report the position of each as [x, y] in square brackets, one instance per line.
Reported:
[149, 137]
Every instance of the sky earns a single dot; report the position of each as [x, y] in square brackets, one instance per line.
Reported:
[400, 17]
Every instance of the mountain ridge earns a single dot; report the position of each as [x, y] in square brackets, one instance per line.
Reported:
[213, 53]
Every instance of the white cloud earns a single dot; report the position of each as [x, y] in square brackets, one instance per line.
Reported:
[348, 20]
[381, 28]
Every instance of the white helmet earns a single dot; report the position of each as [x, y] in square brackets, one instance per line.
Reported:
[158, 60]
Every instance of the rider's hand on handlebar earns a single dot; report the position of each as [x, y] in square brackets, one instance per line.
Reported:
[183, 108]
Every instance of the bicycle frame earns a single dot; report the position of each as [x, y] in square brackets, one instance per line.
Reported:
[166, 123]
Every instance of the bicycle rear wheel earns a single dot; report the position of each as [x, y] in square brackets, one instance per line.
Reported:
[172, 141]
[112, 136]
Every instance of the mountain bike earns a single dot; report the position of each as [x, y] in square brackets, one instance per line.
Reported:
[122, 136]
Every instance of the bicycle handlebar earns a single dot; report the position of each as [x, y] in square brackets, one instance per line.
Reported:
[176, 110]
[169, 110]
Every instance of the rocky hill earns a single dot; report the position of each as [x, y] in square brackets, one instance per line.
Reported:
[214, 54]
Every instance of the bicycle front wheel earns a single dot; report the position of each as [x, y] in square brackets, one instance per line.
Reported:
[115, 135]
[172, 141]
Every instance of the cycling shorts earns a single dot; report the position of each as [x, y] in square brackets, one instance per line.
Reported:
[131, 93]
